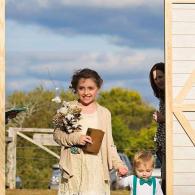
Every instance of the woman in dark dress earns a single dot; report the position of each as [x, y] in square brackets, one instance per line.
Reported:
[157, 81]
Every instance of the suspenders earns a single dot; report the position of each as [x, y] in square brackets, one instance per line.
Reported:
[135, 185]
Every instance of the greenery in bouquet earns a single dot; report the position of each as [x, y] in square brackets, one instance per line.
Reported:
[67, 117]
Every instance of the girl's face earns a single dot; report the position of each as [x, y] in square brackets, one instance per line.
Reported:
[87, 91]
[144, 170]
[159, 79]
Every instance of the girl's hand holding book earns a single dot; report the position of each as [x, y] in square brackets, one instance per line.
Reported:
[85, 139]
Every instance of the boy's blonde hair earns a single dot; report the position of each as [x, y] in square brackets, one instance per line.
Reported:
[142, 157]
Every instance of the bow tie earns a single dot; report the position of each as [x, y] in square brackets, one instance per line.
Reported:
[148, 181]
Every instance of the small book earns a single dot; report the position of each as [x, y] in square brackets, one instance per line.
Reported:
[97, 137]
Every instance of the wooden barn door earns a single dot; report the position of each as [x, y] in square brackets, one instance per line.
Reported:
[180, 96]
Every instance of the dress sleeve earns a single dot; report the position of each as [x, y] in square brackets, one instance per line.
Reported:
[158, 188]
[65, 139]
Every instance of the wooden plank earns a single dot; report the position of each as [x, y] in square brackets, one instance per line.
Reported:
[38, 130]
[183, 6]
[188, 115]
[184, 153]
[183, 41]
[168, 93]
[185, 90]
[189, 95]
[184, 166]
[44, 139]
[183, 67]
[182, 140]
[188, 110]
[185, 15]
[2, 96]
[183, 190]
[178, 129]
[183, 28]
[185, 124]
[39, 145]
[186, 54]
[183, 179]
[188, 101]
[11, 160]
[180, 79]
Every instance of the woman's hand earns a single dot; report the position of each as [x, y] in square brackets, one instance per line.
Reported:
[85, 139]
[158, 117]
[122, 170]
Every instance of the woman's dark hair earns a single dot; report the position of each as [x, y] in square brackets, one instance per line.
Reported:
[157, 92]
[85, 73]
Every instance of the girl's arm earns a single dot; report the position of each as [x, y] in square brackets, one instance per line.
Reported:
[65, 139]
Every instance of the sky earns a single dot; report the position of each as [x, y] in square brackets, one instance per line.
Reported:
[47, 40]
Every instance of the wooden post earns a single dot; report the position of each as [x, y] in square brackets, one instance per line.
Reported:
[168, 72]
[11, 159]
[2, 96]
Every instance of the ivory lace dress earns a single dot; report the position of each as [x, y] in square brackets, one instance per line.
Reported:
[87, 168]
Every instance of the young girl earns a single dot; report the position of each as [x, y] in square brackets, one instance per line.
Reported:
[82, 173]
[142, 183]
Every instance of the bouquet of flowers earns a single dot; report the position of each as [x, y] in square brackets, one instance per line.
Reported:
[67, 117]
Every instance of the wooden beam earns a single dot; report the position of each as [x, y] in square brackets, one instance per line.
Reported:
[11, 160]
[185, 107]
[44, 139]
[185, 90]
[182, 1]
[2, 96]
[185, 124]
[169, 98]
[38, 130]
[39, 145]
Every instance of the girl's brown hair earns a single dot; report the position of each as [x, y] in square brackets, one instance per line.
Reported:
[85, 73]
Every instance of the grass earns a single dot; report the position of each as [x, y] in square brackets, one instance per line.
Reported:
[50, 192]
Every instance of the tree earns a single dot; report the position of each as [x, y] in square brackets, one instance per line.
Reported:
[128, 106]
[131, 119]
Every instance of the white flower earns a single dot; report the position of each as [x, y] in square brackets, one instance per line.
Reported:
[65, 104]
[75, 126]
[69, 117]
[63, 110]
[56, 99]
[64, 121]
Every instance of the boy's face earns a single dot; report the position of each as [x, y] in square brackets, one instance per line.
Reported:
[144, 170]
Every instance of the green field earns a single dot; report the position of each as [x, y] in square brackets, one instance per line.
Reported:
[50, 192]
